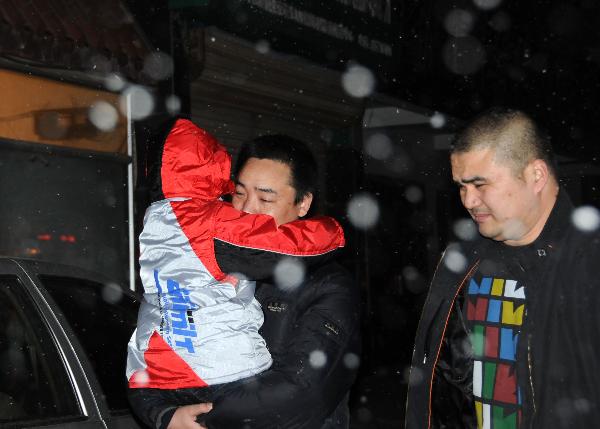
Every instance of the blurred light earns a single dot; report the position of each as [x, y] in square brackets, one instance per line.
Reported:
[455, 261]
[262, 47]
[586, 218]
[466, 347]
[459, 22]
[326, 135]
[414, 375]
[363, 211]
[401, 163]
[112, 293]
[114, 82]
[53, 125]
[410, 273]
[32, 251]
[317, 359]
[289, 273]
[582, 405]
[158, 66]
[358, 81]
[141, 378]
[67, 238]
[474, 337]
[514, 229]
[413, 281]
[437, 121]
[379, 146]
[487, 4]
[44, 237]
[351, 360]
[103, 115]
[489, 266]
[110, 200]
[465, 229]
[142, 102]
[463, 55]
[173, 104]
[237, 277]
[500, 21]
[413, 194]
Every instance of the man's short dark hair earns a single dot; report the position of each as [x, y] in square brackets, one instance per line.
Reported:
[512, 134]
[289, 151]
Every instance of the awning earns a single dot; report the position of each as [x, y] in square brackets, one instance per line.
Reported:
[77, 35]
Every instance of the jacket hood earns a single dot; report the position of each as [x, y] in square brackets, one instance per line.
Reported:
[194, 164]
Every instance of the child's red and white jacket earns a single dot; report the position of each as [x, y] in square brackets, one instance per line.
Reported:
[197, 324]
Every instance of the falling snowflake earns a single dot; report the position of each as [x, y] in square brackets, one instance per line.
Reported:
[358, 81]
[363, 211]
[103, 115]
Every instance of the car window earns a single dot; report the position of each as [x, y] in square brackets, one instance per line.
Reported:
[103, 318]
[34, 384]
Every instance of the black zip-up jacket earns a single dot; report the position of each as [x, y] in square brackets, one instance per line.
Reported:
[559, 346]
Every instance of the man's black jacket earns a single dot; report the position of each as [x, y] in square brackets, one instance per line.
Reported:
[312, 332]
[559, 346]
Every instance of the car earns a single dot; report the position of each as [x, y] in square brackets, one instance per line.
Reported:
[63, 347]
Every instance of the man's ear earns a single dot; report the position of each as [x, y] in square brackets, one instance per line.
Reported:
[539, 174]
[304, 205]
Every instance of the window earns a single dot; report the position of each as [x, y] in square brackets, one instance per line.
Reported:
[50, 223]
[103, 317]
[34, 383]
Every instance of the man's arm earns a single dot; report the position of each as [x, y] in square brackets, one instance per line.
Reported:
[156, 409]
[313, 372]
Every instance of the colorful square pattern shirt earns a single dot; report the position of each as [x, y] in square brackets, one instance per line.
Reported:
[495, 310]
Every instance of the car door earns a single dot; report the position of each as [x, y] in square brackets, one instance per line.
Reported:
[42, 382]
[100, 316]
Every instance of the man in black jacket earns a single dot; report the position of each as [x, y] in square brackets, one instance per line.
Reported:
[311, 318]
[508, 337]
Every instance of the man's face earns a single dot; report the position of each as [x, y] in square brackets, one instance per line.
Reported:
[504, 205]
[263, 186]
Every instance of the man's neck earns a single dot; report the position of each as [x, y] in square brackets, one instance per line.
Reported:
[547, 202]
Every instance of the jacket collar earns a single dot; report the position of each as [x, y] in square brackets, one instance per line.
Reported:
[558, 223]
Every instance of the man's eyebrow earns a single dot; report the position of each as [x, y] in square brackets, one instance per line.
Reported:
[470, 180]
[267, 190]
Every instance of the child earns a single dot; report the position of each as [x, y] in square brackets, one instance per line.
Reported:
[197, 325]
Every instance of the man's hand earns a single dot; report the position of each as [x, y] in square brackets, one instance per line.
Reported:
[185, 417]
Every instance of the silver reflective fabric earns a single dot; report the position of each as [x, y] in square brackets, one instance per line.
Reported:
[213, 326]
